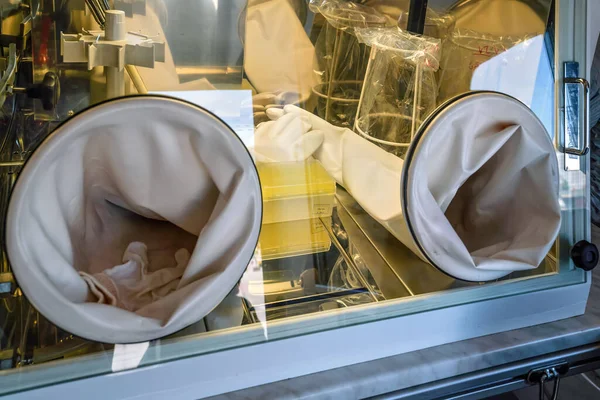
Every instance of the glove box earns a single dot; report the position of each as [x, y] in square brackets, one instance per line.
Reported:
[328, 285]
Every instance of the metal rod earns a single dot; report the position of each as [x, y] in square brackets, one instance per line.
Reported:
[95, 12]
[416, 16]
[136, 79]
[336, 50]
[315, 297]
[349, 261]
[372, 55]
[416, 115]
[11, 163]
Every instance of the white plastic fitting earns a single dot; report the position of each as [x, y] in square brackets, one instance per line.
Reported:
[113, 48]
[115, 25]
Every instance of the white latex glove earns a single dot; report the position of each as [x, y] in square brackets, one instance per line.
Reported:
[131, 285]
[287, 139]
[369, 173]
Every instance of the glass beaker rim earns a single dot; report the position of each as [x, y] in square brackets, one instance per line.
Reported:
[363, 133]
[454, 39]
[320, 89]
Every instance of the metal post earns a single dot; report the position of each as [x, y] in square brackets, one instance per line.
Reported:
[416, 16]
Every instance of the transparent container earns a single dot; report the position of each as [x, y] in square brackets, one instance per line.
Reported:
[295, 191]
[294, 238]
[464, 51]
[400, 87]
[342, 59]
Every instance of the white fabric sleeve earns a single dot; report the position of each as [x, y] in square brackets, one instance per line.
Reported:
[134, 219]
[476, 196]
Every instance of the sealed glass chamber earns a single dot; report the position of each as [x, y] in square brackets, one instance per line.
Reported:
[332, 176]
[342, 58]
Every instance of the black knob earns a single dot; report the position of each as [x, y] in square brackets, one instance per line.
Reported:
[585, 255]
[48, 91]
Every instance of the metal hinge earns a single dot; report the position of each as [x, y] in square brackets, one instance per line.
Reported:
[540, 376]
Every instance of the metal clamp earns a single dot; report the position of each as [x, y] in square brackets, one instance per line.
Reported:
[547, 376]
[542, 375]
[583, 146]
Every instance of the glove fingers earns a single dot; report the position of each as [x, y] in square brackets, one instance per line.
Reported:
[293, 130]
[262, 131]
[280, 126]
[293, 109]
[316, 122]
[307, 145]
[274, 113]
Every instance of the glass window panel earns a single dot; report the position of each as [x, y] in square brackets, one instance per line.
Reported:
[321, 253]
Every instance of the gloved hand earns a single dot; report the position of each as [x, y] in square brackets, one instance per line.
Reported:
[130, 285]
[287, 139]
[369, 173]
[330, 153]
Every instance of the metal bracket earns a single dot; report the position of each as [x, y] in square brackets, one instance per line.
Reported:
[25, 25]
[542, 375]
